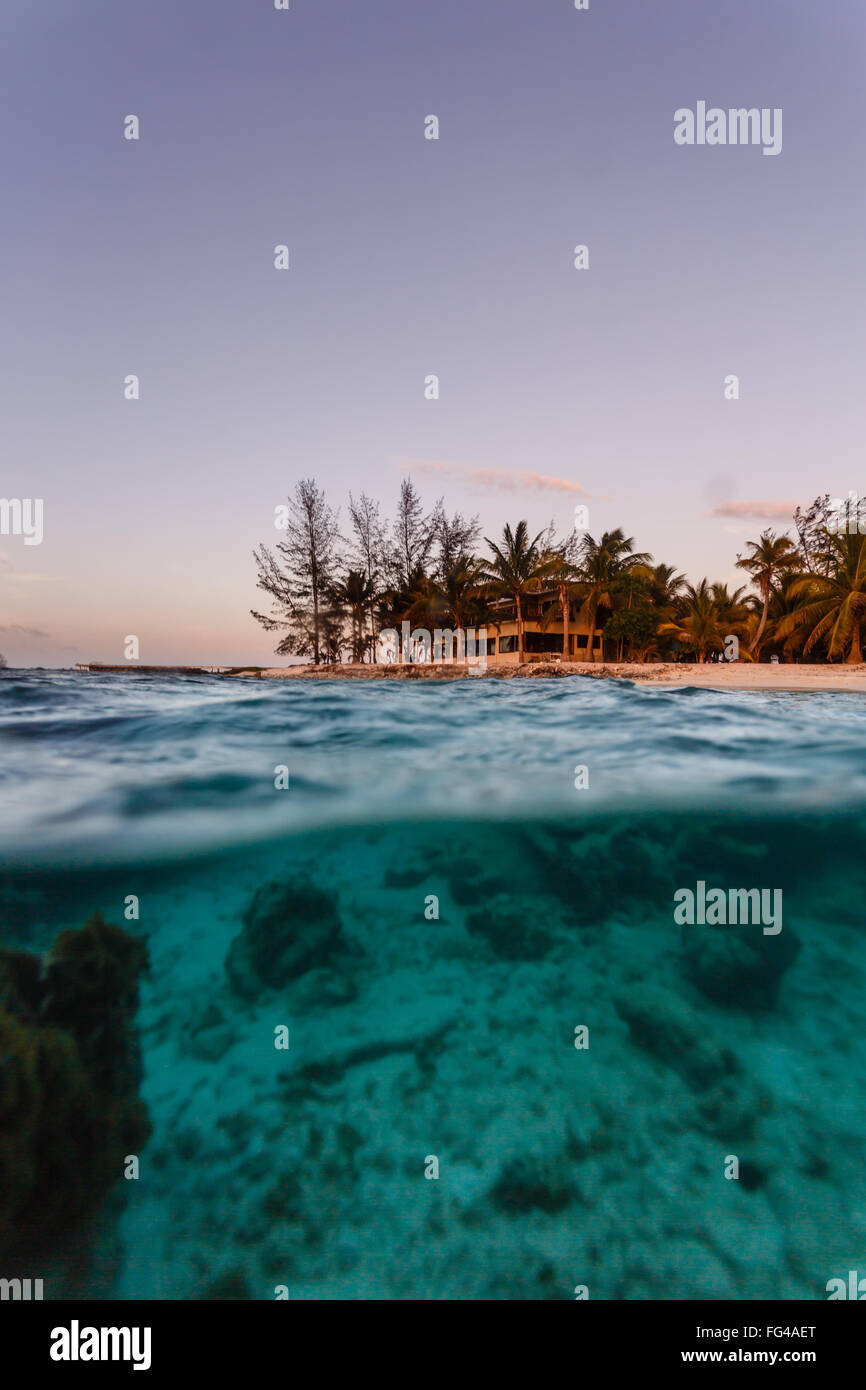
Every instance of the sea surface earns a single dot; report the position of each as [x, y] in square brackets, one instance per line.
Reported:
[420, 1021]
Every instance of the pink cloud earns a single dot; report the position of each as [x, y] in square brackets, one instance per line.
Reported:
[496, 477]
[761, 511]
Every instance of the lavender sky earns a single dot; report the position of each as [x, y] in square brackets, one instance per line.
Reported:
[410, 257]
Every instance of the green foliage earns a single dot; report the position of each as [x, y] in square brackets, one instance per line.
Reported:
[634, 626]
[69, 1077]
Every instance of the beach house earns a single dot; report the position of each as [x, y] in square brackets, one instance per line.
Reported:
[542, 632]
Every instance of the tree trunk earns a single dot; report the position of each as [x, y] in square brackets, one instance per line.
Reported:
[590, 641]
[519, 631]
[754, 647]
[855, 655]
[563, 599]
[315, 578]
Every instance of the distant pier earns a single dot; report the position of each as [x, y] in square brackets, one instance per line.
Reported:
[127, 666]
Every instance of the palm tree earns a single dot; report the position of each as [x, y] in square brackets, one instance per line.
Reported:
[702, 622]
[782, 604]
[424, 606]
[456, 599]
[396, 603]
[518, 566]
[664, 585]
[770, 556]
[733, 608]
[352, 595]
[461, 590]
[601, 564]
[832, 608]
[565, 575]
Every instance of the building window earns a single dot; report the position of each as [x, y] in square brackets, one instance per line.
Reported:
[508, 644]
[543, 641]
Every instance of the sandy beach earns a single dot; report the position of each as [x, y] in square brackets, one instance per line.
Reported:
[740, 675]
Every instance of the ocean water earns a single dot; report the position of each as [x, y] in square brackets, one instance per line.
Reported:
[510, 1071]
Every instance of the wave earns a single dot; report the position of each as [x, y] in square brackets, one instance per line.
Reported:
[114, 766]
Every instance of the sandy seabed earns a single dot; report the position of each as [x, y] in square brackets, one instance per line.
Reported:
[305, 1168]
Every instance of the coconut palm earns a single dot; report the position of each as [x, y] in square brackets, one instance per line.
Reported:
[769, 557]
[704, 619]
[396, 603]
[783, 603]
[832, 609]
[351, 596]
[519, 565]
[601, 564]
[734, 608]
[462, 593]
[564, 574]
[664, 585]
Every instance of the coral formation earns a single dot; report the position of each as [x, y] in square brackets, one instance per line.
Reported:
[69, 1077]
[289, 928]
[512, 932]
[739, 967]
[529, 1183]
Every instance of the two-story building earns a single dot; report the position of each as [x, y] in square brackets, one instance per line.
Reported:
[542, 632]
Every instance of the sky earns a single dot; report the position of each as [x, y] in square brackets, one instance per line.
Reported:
[410, 257]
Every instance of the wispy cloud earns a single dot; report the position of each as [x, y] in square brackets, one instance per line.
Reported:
[761, 511]
[16, 630]
[17, 576]
[500, 478]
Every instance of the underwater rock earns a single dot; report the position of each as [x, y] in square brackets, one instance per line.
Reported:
[538, 1281]
[615, 866]
[674, 1033]
[416, 1027]
[210, 1035]
[231, 1285]
[729, 1101]
[289, 928]
[731, 1109]
[409, 870]
[322, 988]
[471, 880]
[533, 1183]
[511, 933]
[70, 1068]
[738, 966]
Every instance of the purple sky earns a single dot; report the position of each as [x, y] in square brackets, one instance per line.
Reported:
[410, 257]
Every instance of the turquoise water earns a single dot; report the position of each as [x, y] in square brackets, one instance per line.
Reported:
[510, 1072]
